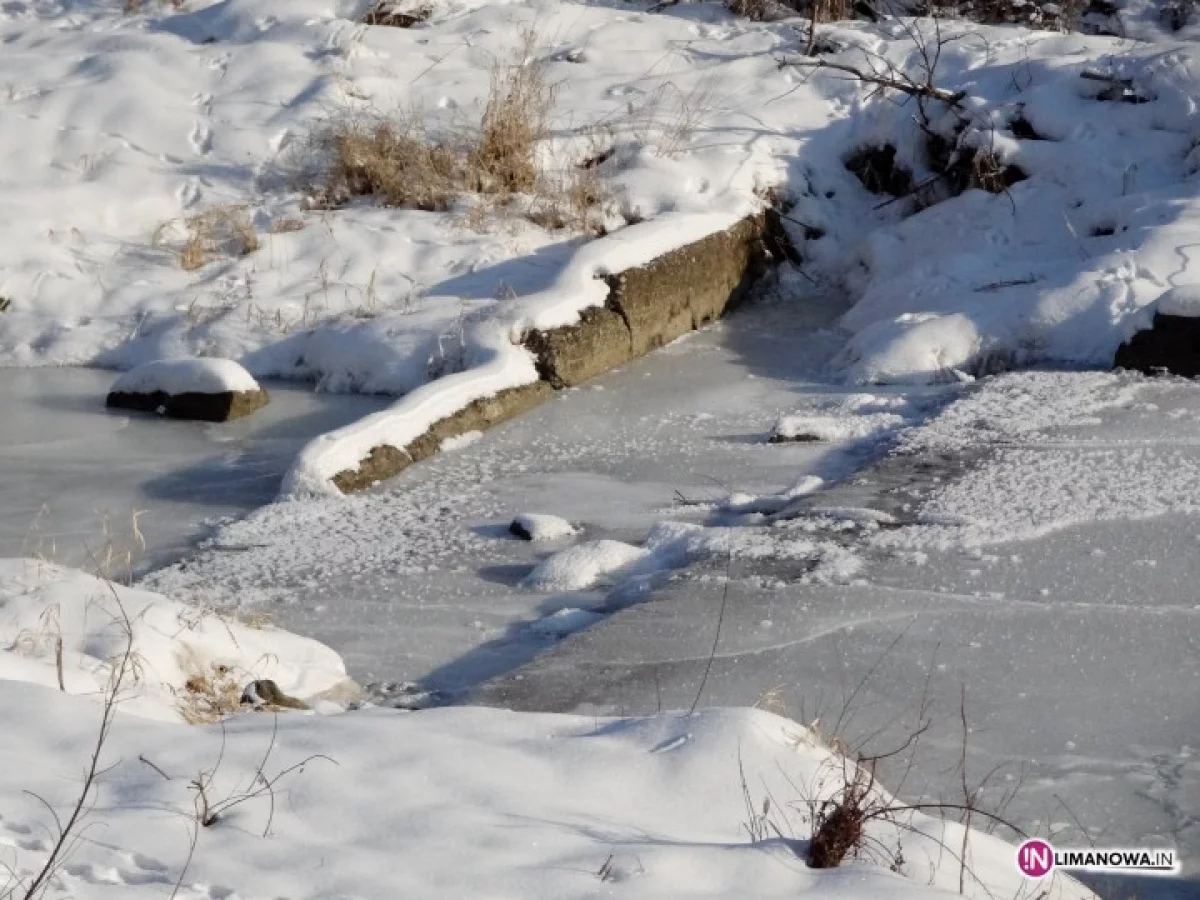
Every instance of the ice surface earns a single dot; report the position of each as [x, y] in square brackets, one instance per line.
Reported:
[420, 580]
[74, 474]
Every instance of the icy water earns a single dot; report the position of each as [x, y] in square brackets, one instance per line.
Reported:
[73, 474]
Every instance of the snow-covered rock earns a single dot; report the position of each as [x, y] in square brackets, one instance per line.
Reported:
[214, 390]
[832, 428]
[540, 527]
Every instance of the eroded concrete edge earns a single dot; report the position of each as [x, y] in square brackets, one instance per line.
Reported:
[648, 306]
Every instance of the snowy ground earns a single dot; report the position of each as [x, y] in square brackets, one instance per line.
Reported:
[337, 803]
[457, 803]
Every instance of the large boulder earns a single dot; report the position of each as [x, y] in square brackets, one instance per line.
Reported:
[211, 390]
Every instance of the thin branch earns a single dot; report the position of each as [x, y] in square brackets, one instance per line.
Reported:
[895, 81]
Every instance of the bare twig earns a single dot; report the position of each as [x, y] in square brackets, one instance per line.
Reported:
[893, 80]
[67, 831]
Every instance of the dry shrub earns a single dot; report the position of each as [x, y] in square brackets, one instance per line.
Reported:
[216, 232]
[754, 10]
[576, 203]
[395, 161]
[385, 12]
[838, 829]
[504, 161]
[767, 10]
[286, 225]
[210, 696]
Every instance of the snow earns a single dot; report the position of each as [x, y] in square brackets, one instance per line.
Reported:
[41, 604]
[466, 439]
[555, 807]
[492, 354]
[916, 348]
[1030, 485]
[1181, 301]
[116, 127]
[179, 376]
[377, 801]
[542, 527]
[565, 621]
[582, 566]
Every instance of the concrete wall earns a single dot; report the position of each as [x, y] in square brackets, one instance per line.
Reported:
[647, 307]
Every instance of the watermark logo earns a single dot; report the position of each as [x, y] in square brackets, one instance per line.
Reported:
[1037, 859]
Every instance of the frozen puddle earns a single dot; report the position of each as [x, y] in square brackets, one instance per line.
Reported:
[71, 468]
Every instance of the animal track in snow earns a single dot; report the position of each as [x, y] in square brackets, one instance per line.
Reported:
[201, 137]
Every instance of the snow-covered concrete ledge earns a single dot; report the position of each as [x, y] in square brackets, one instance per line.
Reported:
[619, 297]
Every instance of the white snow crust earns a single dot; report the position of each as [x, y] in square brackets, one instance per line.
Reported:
[179, 376]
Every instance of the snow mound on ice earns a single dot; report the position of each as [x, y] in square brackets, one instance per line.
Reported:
[172, 642]
[564, 622]
[182, 376]
[580, 567]
[541, 527]
[913, 348]
[837, 428]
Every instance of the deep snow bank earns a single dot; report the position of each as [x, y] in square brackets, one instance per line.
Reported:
[462, 802]
[1061, 266]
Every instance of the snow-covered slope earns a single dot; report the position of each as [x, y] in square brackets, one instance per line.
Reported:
[121, 131]
[62, 628]
[459, 802]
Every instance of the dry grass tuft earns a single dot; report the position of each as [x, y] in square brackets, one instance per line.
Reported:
[210, 696]
[394, 161]
[286, 225]
[754, 10]
[389, 13]
[515, 119]
[577, 203]
[216, 232]
[399, 162]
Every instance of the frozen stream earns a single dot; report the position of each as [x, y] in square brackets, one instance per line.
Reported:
[70, 469]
